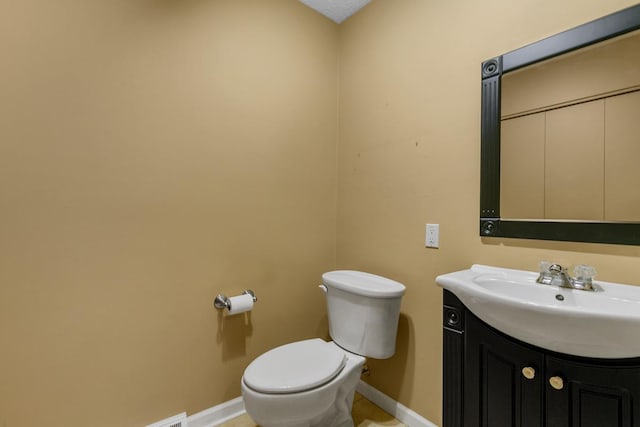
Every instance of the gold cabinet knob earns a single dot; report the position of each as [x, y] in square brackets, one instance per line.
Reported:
[528, 372]
[556, 382]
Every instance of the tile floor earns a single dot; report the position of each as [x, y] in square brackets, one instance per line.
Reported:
[365, 414]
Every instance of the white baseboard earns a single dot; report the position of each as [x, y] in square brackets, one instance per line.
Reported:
[218, 414]
[226, 411]
[398, 410]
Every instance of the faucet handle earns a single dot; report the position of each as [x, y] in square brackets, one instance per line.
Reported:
[546, 272]
[584, 272]
[543, 266]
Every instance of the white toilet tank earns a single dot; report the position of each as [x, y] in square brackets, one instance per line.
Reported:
[363, 312]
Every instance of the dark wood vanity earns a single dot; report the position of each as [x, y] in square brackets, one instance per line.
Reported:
[493, 380]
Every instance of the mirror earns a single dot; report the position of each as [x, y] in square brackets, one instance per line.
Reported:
[569, 135]
[561, 136]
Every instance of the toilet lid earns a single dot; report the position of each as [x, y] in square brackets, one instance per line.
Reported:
[295, 367]
[365, 284]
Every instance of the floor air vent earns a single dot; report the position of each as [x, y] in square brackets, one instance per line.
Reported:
[179, 420]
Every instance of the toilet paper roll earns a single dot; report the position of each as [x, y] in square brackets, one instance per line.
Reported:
[240, 304]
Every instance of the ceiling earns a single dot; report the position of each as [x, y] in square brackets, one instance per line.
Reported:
[336, 10]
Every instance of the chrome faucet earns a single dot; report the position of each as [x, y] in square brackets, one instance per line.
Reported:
[557, 275]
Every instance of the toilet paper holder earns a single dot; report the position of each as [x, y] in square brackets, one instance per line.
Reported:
[222, 301]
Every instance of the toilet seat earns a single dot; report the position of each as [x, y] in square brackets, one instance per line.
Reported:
[295, 367]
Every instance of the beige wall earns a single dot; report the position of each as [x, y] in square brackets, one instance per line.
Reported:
[409, 154]
[156, 153]
[152, 154]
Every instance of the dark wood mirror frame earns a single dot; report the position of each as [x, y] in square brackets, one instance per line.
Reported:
[491, 225]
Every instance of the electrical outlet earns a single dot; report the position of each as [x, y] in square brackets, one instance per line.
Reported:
[432, 236]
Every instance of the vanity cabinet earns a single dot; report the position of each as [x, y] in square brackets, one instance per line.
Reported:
[592, 394]
[493, 380]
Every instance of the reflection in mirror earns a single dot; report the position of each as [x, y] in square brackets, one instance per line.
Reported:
[570, 135]
[560, 136]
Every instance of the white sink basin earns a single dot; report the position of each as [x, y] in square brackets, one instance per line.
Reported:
[604, 323]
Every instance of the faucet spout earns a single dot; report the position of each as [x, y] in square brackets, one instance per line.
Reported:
[557, 275]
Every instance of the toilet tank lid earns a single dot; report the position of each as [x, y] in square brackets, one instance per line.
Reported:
[361, 283]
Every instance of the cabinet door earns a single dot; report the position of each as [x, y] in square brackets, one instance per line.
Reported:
[584, 395]
[503, 384]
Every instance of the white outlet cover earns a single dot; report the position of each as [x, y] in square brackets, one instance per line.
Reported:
[432, 236]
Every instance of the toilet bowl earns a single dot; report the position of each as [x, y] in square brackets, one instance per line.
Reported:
[323, 399]
[311, 383]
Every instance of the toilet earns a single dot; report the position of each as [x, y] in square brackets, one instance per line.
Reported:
[312, 382]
